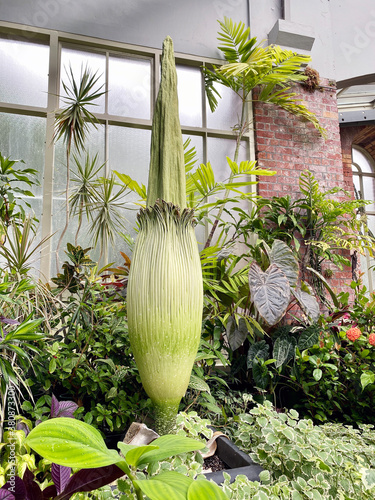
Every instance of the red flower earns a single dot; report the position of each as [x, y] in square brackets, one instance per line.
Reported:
[353, 333]
[371, 338]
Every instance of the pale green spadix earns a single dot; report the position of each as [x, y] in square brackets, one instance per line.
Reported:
[165, 290]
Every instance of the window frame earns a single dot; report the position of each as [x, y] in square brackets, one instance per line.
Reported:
[56, 40]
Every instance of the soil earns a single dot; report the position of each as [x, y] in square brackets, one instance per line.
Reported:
[214, 463]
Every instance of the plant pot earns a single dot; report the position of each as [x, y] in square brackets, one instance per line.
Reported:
[237, 462]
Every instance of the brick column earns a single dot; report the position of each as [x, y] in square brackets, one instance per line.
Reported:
[291, 145]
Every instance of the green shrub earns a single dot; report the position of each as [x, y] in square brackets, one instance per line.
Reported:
[302, 460]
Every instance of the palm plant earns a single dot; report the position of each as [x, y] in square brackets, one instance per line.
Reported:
[73, 121]
[249, 65]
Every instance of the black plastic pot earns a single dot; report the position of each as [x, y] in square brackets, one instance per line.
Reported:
[236, 460]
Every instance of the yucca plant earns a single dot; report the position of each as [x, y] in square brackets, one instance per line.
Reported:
[85, 179]
[165, 291]
[73, 121]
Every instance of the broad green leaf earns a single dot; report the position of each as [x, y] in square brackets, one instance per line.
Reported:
[317, 374]
[133, 455]
[259, 350]
[52, 365]
[170, 445]
[308, 337]
[158, 490]
[270, 292]
[284, 349]
[260, 374]
[72, 443]
[198, 384]
[283, 256]
[202, 489]
[367, 378]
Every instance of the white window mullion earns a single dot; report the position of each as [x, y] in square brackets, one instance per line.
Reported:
[52, 106]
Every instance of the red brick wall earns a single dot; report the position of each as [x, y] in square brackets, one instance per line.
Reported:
[290, 145]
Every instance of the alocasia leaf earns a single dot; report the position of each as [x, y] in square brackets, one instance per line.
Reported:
[309, 337]
[259, 350]
[236, 333]
[60, 476]
[283, 349]
[270, 292]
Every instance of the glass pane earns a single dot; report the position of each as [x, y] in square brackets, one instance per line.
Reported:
[129, 153]
[23, 138]
[369, 192]
[371, 224]
[218, 150]
[24, 72]
[79, 60]
[129, 87]
[361, 159]
[357, 185]
[196, 142]
[228, 111]
[190, 95]
[94, 145]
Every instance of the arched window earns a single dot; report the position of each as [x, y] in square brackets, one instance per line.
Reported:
[363, 167]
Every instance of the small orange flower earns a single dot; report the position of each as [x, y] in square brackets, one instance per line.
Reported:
[353, 333]
[371, 338]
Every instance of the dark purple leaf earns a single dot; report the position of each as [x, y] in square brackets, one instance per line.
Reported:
[67, 409]
[54, 406]
[90, 480]
[6, 495]
[49, 492]
[33, 492]
[60, 476]
[18, 489]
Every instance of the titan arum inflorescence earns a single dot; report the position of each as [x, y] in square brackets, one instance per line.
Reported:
[165, 291]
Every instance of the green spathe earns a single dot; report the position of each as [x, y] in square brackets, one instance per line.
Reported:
[165, 301]
[165, 290]
[166, 180]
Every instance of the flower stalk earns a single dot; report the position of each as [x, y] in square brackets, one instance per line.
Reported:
[165, 290]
